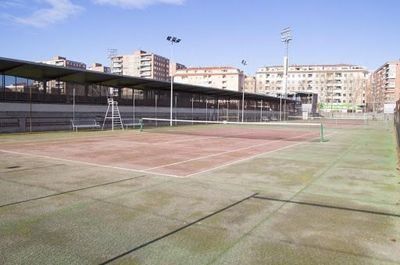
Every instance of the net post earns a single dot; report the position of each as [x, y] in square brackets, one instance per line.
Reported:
[141, 125]
[321, 133]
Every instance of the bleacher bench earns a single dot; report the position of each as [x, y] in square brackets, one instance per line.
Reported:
[84, 124]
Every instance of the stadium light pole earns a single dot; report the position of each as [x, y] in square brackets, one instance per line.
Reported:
[286, 37]
[244, 63]
[173, 40]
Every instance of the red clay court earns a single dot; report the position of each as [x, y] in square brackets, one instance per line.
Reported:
[179, 152]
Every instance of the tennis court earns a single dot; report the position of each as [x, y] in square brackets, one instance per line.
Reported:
[191, 148]
[201, 194]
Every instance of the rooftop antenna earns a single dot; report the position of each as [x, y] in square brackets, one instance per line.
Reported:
[111, 52]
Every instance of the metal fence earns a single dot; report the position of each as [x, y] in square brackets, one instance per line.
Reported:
[397, 122]
[28, 105]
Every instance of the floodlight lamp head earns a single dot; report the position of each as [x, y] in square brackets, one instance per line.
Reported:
[169, 38]
[178, 40]
[286, 31]
[286, 38]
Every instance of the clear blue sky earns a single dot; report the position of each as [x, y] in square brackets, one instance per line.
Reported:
[214, 32]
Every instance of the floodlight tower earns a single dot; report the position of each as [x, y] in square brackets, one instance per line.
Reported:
[173, 40]
[286, 37]
[244, 63]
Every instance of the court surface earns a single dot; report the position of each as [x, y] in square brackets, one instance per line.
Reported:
[131, 197]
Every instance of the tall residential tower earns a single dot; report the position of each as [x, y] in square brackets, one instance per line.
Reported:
[143, 64]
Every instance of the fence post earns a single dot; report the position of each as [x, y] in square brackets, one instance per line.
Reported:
[321, 133]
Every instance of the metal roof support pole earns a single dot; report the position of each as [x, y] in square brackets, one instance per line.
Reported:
[3, 85]
[255, 109]
[133, 106]
[285, 110]
[119, 93]
[261, 111]
[44, 87]
[30, 106]
[171, 101]
[156, 107]
[73, 103]
[217, 109]
[243, 105]
[206, 109]
[192, 107]
[227, 109]
[238, 110]
[176, 108]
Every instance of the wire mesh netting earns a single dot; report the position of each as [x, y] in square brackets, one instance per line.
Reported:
[397, 122]
[287, 131]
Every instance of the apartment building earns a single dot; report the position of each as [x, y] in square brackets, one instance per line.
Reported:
[59, 87]
[64, 62]
[175, 67]
[250, 84]
[384, 89]
[142, 64]
[228, 78]
[339, 87]
[98, 67]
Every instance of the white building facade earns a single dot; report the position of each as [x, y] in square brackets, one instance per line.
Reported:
[228, 78]
[385, 87]
[250, 84]
[98, 67]
[56, 86]
[64, 62]
[143, 64]
[339, 87]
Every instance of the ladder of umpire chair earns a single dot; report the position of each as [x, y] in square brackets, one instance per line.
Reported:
[113, 114]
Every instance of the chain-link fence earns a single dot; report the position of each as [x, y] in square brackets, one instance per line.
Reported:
[397, 122]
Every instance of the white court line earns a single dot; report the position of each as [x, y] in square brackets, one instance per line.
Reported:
[91, 164]
[146, 170]
[188, 139]
[138, 141]
[251, 157]
[226, 152]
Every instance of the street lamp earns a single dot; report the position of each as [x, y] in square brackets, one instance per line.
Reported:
[286, 37]
[172, 40]
[244, 63]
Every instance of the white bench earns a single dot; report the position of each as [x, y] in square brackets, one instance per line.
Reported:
[132, 123]
[84, 124]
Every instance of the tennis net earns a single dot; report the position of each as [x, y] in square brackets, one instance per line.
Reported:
[286, 131]
[342, 122]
